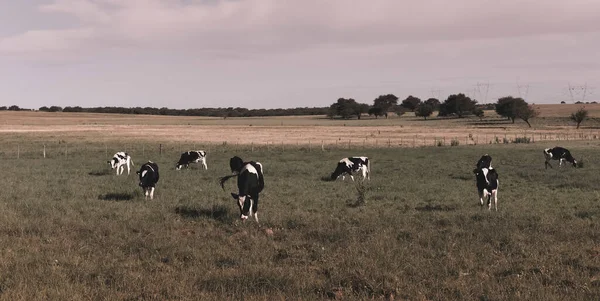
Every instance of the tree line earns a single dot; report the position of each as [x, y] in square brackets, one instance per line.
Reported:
[207, 112]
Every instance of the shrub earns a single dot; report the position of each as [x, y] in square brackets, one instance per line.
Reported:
[522, 140]
[454, 142]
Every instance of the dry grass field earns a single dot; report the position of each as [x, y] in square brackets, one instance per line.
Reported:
[407, 130]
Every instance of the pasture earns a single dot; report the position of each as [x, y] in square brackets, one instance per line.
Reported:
[72, 230]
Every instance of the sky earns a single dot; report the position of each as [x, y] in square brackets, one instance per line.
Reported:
[303, 53]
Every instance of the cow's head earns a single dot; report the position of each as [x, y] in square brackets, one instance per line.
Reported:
[575, 163]
[236, 164]
[113, 163]
[244, 203]
[178, 166]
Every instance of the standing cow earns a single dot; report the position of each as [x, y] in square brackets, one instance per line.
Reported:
[349, 165]
[250, 183]
[119, 161]
[149, 176]
[558, 153]
[191, 157]
[487, 185]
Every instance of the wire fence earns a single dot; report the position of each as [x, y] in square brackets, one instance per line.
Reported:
[66, 149]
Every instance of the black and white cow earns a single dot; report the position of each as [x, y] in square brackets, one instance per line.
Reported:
[191, 157]
[148, 178]
[558, 153]
[485, 162]
[250, 183]
[350, 165]
[119, 161]
[487, 185]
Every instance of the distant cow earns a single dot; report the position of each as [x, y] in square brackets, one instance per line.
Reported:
[558, 153]
[191, 157]
[349, 165]
[148, 178]
[250, 183]
[119, 161]
[487, 185]
[485, 161]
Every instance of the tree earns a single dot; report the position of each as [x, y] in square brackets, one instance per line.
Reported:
[14, 108]
[385, 102]
[347, 107]
[424, 110]
[479, 113]
[509, 106]
[458, 104]
[527, 112]
[579, 116]
[376, 111]
[55, 109]
[44, 109]
[411, 103]
[434, 103]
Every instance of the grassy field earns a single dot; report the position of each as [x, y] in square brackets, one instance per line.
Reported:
[72, 230]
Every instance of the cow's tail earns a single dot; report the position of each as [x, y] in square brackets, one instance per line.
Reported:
[224, 179]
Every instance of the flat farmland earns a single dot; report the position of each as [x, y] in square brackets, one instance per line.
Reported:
[73, 230]
[407, 130]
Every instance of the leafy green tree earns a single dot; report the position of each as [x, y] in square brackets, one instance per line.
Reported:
[423, 110]
[376, 112]
[509, 107]
[458, 104]
[44, 109]
[526, 113]
[411, 103]
[433, 102]
[347, 107]
[579, 116]
[385, 102]
[479, 113]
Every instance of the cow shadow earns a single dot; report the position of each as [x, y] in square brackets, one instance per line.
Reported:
[435, 207]
[99, 173]
[217, 212]
[327, 179]
[117, 197]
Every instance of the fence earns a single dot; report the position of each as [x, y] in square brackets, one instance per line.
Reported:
[58, 149]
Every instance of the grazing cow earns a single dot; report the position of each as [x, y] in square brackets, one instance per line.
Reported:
[148, 178]
[250, 183]
[350, 165]
[485, 162]
[119, 161]
[191, 157]
[487, 185]
[558, 153]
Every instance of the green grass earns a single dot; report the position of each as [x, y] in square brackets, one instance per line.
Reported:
[72, 230]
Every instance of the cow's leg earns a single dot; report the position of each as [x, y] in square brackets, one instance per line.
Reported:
[128, 168]
[204, 164]
[495, 192]
[352, 177]
[151, 193]
[546, 163]
[560, 162]
[364, 173]
[255, 206]
[480, 197]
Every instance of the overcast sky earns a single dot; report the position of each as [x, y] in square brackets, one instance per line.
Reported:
[274, 53]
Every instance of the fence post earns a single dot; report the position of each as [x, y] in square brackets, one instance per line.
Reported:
[348, 143]
[323, 145]
[18, 151]
[44, 151]
[252, 147]
[160, 149]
